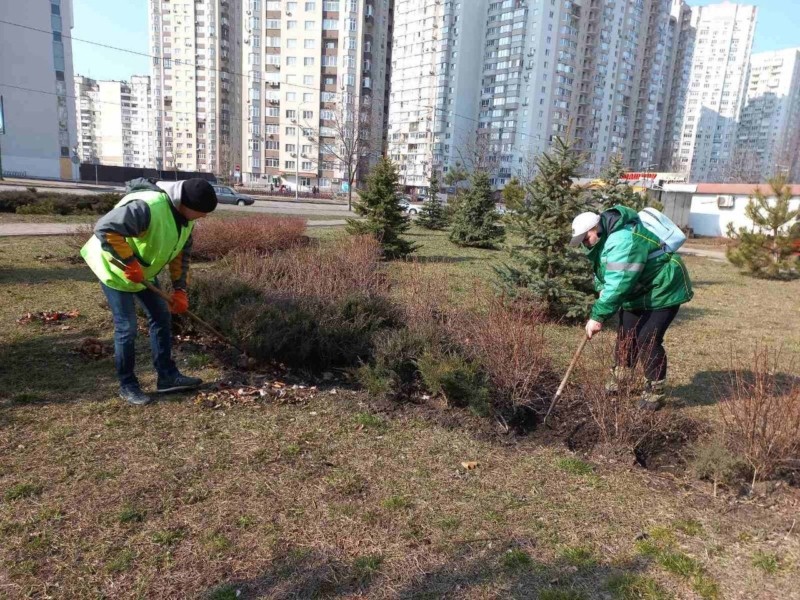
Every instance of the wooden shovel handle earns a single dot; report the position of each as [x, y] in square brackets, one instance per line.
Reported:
[566, 377]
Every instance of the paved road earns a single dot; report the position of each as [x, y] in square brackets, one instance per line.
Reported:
[23, 229]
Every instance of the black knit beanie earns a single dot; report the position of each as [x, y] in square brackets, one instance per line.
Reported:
[198, 195]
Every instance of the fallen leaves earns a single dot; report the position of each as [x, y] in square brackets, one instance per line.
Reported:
[224, 395]
[48, 317]
[94, 349]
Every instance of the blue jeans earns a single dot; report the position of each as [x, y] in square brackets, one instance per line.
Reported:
[123, 308]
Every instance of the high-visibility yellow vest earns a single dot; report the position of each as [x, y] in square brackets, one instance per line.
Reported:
[154, 249]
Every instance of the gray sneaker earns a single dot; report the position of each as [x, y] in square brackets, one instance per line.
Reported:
[178, 384]
[134, 395]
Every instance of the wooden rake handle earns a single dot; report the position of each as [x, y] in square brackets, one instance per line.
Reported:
[566, 377]
[166, 297]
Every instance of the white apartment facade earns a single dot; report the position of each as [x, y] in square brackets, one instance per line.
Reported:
[433, 101]
[717, 42]
[37, 89]
[311, 68]
[768, 140]
[115, 122]
[596, 70]
[195, 84]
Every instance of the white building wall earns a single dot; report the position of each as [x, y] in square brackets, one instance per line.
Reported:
[722, 40]
[142, 123]
[41, 129]
[708, 219]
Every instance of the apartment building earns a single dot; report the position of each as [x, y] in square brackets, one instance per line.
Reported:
[115, 122]
[435, 85]
[596, 70]
[768, 140]
[86, 118]
[36, 85]
[717, 42]
[314, 90]
[195, 83]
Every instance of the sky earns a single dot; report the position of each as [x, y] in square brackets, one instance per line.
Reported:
[123, 23]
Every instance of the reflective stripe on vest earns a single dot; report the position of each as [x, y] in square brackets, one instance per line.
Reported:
[154, 249]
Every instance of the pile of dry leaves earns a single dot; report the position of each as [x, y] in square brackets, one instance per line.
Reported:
[49, 317]
[226, 394]
[94, 349]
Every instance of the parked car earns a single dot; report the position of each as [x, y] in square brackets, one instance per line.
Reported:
[226, 195]
[408, 207]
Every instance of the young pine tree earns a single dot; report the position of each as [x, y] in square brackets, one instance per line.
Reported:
[613, 192]
[766, 250]
[514, 195]
[383, 215]
[454, 177]
[475, 219]
[544, 265]
[432, 215]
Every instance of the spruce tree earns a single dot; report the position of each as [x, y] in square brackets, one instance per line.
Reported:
[456, 175]
[614, 192]
[766, 249]
[475, 221]
[382, 214]
[543, 265]
[514, 194]
[432, 214]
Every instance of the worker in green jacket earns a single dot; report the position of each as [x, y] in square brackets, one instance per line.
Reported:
[638, 280]
[148, 230]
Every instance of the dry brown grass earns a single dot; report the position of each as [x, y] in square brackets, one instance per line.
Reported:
[215, 238]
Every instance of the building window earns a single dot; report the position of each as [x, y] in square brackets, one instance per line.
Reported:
[289, 164]
[291, 61]
[310, 25]
[308, 114]
[55, 9]
[308, 80]
[291, 43]
[291, 97]
[291, 131]
[329, 24]
[308, 97]
[272, 162]
[290, 148]
[309, 44]
[311, 6]
[291, 24]
[308, 61]
[306, 166]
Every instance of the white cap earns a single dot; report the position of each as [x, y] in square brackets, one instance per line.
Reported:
[581, 226]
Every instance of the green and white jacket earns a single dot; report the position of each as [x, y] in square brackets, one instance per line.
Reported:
[626, 276]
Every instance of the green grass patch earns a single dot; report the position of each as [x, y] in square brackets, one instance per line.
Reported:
[396, 503]
[768, 562]
[449, 523]
[706, 587]
[131, 514]
[648, 548]
[574, 466]
[370, 421]
[578, 557]
[168, 537]
[121, 562]
[217, 544]
[688, 526]
[516, 559]
[680, 564]
[22, 490]
[628, 586]
[366, 567]
[198, 360]
[223, 592]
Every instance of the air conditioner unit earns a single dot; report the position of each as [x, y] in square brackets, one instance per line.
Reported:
[293, 154]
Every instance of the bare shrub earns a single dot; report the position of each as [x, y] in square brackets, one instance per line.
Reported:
[264, 234]
[307, 307]
[617, 420]
[761, 415]
[506, 338]
[76, 240]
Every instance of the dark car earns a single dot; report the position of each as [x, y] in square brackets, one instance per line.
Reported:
[226, 195]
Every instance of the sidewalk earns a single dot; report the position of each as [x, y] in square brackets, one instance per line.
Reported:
[703, 252]
[37, 229]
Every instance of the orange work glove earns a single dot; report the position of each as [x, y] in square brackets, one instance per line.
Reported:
[134, 272]
[179, 302]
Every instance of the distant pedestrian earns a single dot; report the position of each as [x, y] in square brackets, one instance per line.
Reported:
[640, 282]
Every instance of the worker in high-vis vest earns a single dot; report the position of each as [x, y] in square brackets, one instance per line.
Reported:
[149, 229]
[639, 281]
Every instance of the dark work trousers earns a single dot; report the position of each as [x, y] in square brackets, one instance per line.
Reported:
[641, 337]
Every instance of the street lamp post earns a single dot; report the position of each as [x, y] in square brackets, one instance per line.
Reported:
[297, 161]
